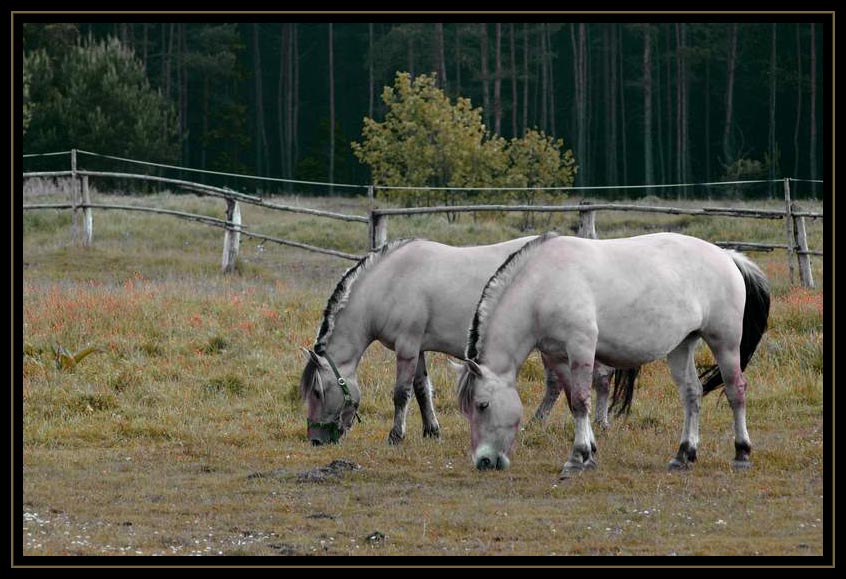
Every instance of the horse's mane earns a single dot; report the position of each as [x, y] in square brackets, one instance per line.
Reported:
[341, 295]
[494, 290]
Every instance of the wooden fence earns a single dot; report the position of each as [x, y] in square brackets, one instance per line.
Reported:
[793, 215]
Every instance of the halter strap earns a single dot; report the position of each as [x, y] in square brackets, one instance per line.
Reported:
[320, 350]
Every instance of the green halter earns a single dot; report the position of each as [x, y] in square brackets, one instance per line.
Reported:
[333, 427]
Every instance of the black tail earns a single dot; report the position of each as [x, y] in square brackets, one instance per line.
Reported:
[624, 383]
[755, 316]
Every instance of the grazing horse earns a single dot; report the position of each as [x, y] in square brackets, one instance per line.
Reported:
[413, 296]
[623, 302]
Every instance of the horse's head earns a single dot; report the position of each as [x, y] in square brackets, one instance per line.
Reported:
[492, 405]
[332, 399]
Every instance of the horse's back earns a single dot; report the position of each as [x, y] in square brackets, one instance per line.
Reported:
[429, 290]
[642, 294]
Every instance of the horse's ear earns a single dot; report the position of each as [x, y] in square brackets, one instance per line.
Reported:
[457, 367]
[473, 367]
[311, 355]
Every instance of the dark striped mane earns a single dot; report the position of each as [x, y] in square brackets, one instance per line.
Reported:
[340, 296]
[493, 291]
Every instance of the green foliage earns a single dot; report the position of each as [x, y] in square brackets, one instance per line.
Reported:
[96, 96]
[427, 141]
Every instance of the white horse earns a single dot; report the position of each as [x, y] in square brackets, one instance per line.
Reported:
[624, 302]
[413, 296]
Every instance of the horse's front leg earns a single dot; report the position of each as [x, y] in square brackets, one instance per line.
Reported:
[406, 369]
[554, 387]
[584, 444]
[423, 393]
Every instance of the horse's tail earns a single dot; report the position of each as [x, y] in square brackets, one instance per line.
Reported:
[624, 383]
[755, 316]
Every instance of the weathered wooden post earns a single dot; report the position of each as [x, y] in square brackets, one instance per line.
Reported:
[378, 229]
[87, 217]
[788, 219]
[75, 201]
[587, 222]
[231, 236]
[805, 274]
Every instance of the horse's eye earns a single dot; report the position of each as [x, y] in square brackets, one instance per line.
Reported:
[317, 394]
[483, 405]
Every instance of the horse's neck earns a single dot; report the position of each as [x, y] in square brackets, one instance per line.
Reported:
[348, 341]
[510, 339]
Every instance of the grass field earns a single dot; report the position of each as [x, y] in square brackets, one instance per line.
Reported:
[184, 434]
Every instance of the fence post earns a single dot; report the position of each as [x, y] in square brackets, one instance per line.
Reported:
[378, 230]
[370, 195]
[231, 236]
[87, 217]
[805, 274]
[788, 218]
[75, 201]
[587, 222]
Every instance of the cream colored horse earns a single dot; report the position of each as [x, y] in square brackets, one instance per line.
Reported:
[623, 302]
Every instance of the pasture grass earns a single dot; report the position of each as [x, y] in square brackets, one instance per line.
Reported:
[185, 434]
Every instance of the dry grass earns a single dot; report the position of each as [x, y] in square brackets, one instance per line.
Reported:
[147, 447]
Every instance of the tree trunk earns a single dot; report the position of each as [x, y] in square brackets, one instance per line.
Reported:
[707, 99]
[439, 55]
[370, 76]
[289, 107]
[498, 79]
[548, 61]
[203, 147]
[798, 102]
[613, 170]
[458, 60]
[483, 29]
[659, 112]
[812, 145]
[513, 81]
[728, 154]
[182, 76]
[649, 177]
[623, 125]
[331, 110]
[772, 143]
[685, 102]
[145, 45]
[280, 97]
[261, 135]
[410, 54]
[544, 80]
[295, 123]
[525, 78]
[668, 83]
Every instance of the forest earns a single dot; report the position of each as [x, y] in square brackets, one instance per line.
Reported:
[638, 103]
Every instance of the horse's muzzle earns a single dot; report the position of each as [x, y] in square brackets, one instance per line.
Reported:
[499, 462]
[320, 434]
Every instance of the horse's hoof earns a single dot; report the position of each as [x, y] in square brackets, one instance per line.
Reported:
[602, 425]
[741, 464]
[431, 431]
[395, 438]
[573, 468]
[677, 465]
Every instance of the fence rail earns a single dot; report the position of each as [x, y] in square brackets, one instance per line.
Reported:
[793, 215]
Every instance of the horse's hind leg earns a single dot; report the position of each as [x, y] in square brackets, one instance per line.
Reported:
[601, 383]
[684, 374]
[423, 393]
[406, 369]
[735, 385]
[554, 386]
